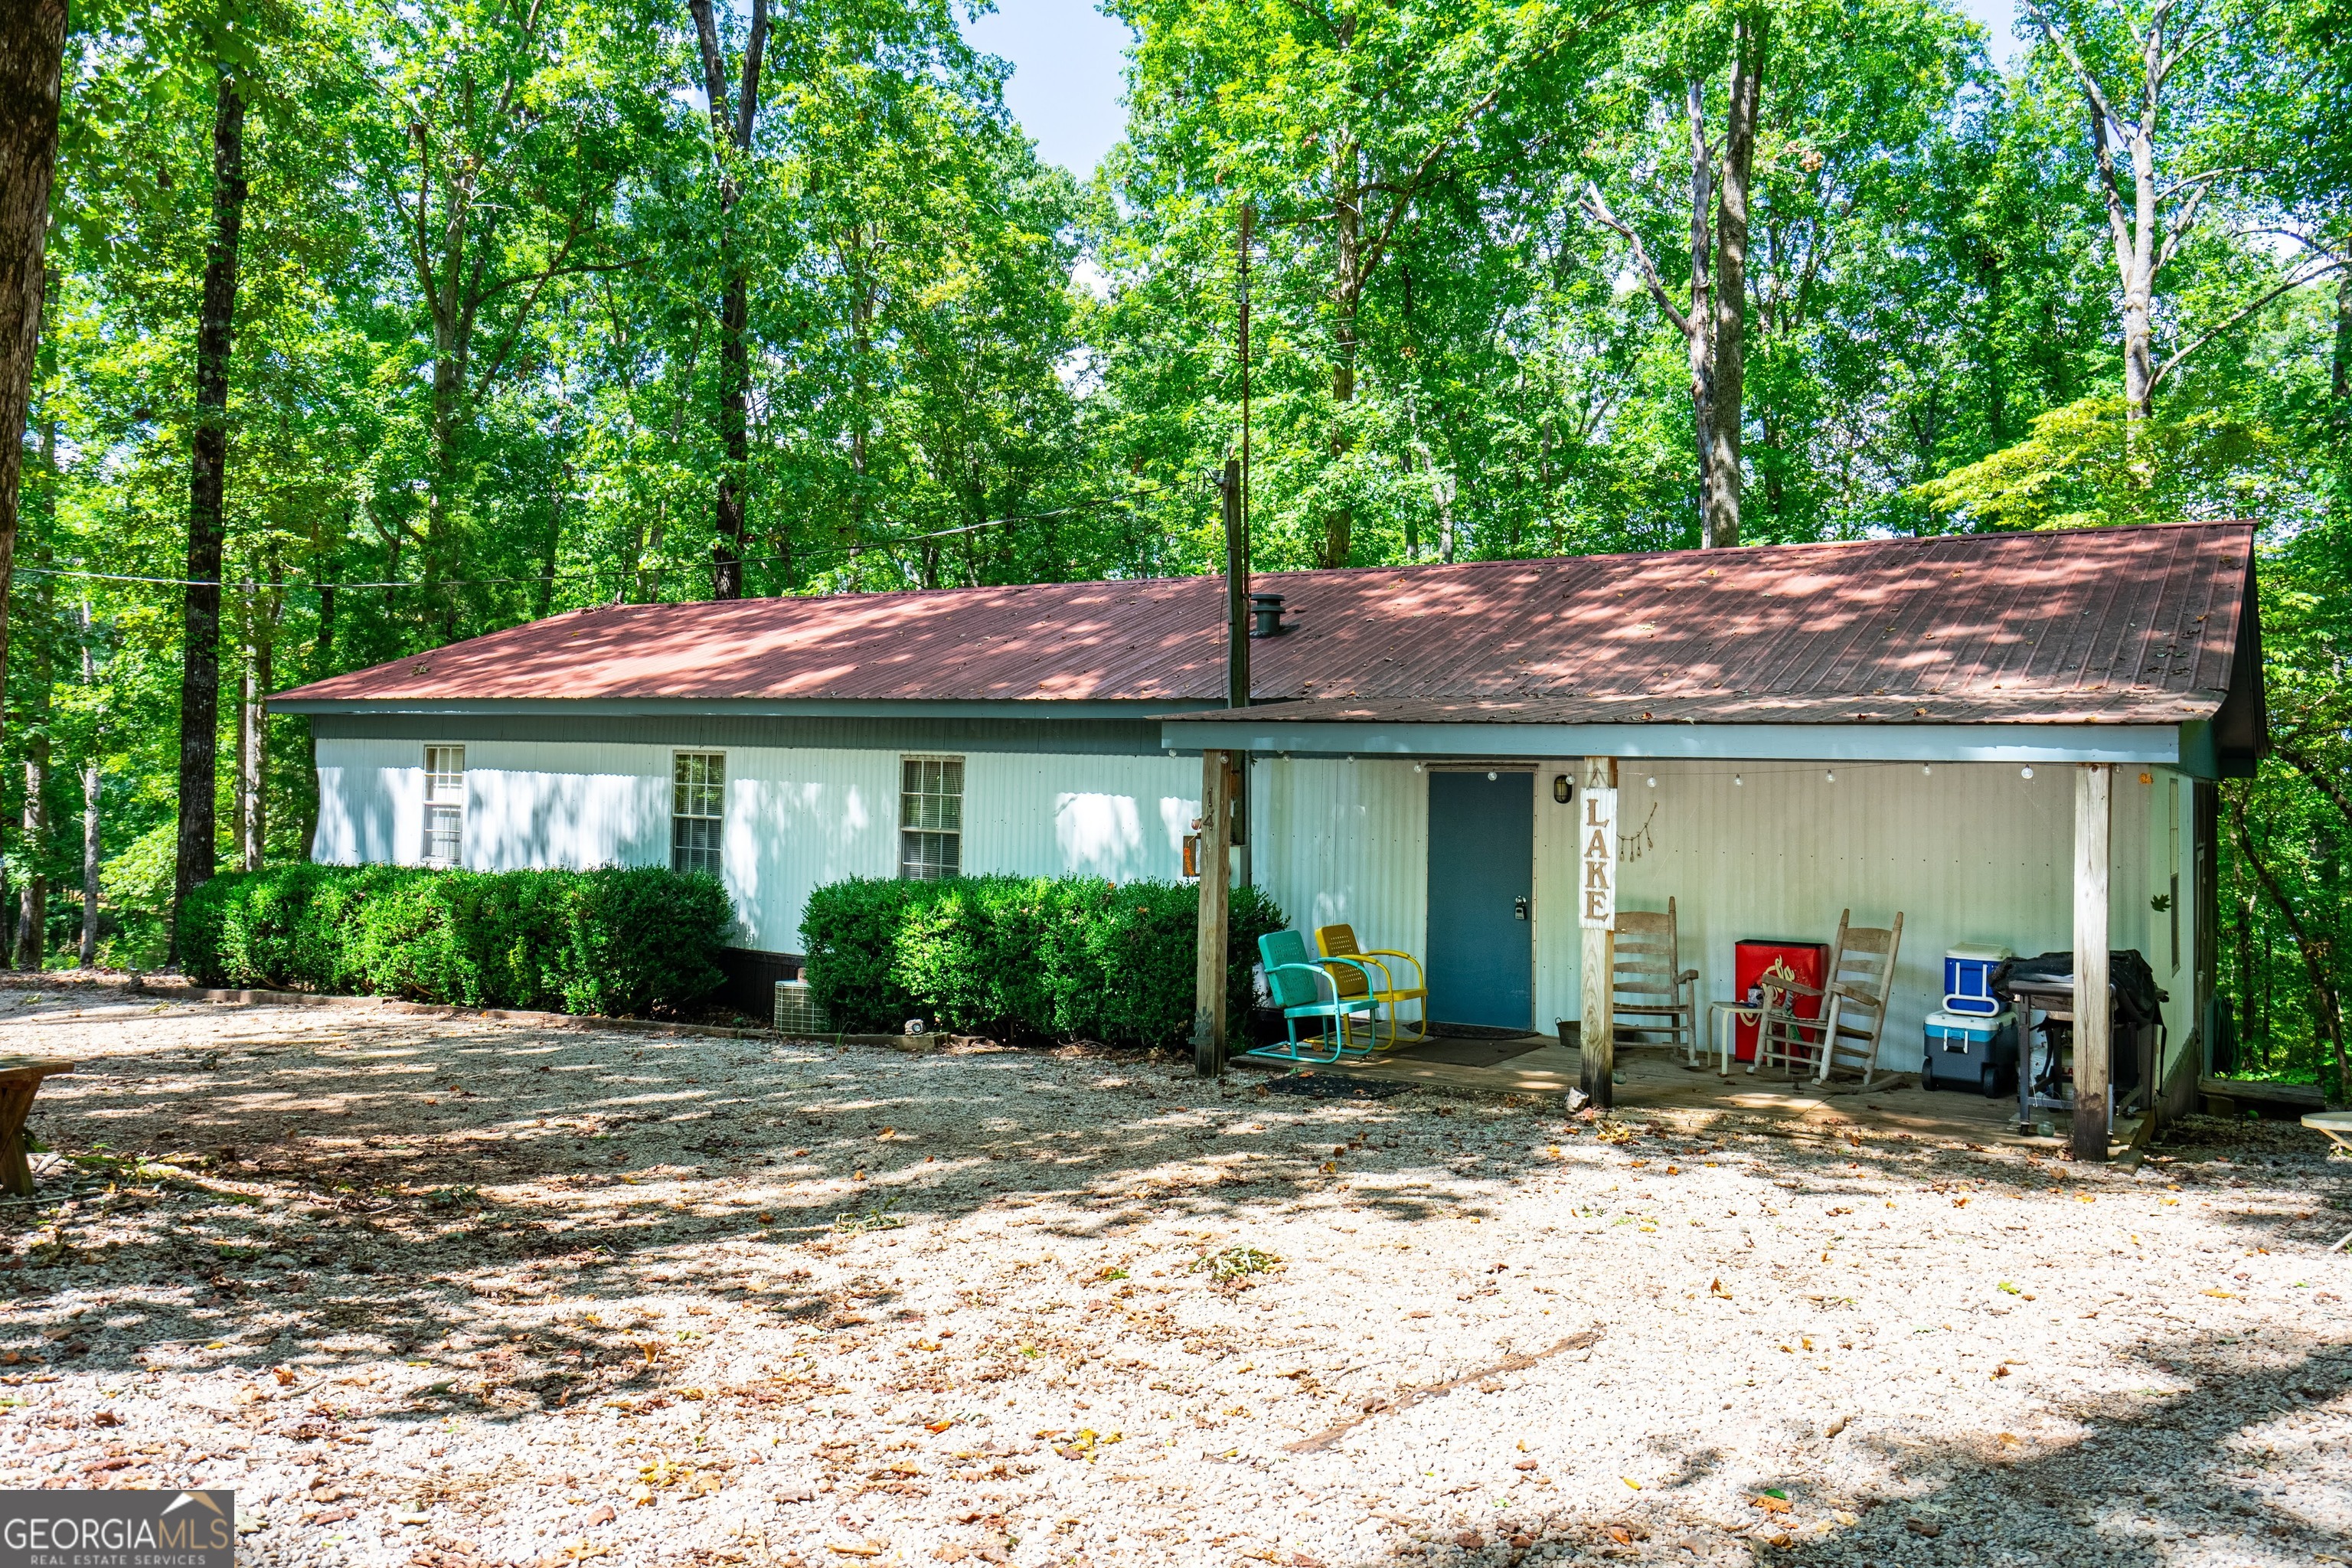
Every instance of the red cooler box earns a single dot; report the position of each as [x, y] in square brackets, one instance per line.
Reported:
[1755, 957]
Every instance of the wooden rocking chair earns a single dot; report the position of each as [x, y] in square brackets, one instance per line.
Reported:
[1650, 989]
[1857, 984]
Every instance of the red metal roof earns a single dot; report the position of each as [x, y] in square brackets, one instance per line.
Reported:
[2111, 625]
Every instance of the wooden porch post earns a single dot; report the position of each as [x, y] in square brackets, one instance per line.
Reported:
[1597, 1033]
[2095, 786]
[1216, 875]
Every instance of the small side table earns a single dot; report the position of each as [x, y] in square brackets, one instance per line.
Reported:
[2335, 1126]
[20, 1081]
[1726, 1014]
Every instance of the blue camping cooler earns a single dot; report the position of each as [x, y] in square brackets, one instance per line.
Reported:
[1968, 978]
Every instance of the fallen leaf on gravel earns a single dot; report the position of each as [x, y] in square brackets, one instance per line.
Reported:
[1717, 1288]
[2225, 1294]
[1922, 1527]
[868, 1551]
[951, 1552]
[1469, 1540]
[1771, 1504]
[603, 1514]
[1524, 1465]
[1405, 1519]
[335, 1516]
[1617, 1534]
[1630, 1482]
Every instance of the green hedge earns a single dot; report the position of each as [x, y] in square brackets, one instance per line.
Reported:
[609, 941]
[1018, 957]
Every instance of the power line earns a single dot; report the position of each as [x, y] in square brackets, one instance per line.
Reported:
[653, 570]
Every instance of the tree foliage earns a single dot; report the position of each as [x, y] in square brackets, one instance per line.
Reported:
[481, 363]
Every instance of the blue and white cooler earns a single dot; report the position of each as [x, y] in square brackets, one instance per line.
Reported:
[1969, 1051]
[1968, 978]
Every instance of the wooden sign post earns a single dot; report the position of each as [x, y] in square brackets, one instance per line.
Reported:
[1215, 864]
[1596, 913]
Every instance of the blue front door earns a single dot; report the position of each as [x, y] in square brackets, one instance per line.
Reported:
[1482, 854]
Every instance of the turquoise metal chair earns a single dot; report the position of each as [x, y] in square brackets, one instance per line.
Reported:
[1303, 988]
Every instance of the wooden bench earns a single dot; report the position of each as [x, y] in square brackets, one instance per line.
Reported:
[20, 1081]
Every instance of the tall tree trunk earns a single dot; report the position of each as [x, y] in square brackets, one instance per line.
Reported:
[322, 663]
[200, 615]
[33, 915]
[1699, 331]
[89, 804]
[2340, 378]
[253, 683]
[2327, 1003]
[731, 136]
[32, 51]
[1751, 39]
[554, 538]
[1347, 296]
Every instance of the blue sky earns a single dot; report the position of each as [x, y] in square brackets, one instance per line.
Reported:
[1065, 79]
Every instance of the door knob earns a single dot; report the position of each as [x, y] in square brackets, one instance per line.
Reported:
[1520, 909]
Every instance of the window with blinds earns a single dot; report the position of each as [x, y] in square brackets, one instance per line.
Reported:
[445, 804]
[930, 818]
[698, 802]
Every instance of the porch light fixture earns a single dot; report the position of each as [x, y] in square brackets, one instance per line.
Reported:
[1653, 781]
[1491, 775]
[2025, 772]
[1830, 776]
[1560, 788]
[1737, 780]
[1926, 770]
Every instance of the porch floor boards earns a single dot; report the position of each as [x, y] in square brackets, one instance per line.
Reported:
[1657, 1079]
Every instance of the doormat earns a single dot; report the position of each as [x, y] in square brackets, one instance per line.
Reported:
[1468, 1053]
[1333, 1086]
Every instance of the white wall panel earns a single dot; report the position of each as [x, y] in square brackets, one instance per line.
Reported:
[1119, 817]
[1341, 841]
[800, 818]
[537, 804]
[371, 802]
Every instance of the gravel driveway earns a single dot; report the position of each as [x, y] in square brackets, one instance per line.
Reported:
[438, 1291]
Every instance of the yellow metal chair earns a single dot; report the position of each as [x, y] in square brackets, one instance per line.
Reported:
[1340, 943]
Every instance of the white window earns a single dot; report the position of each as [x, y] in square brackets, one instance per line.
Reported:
[445, 804]
[696, 810]
[930, 818]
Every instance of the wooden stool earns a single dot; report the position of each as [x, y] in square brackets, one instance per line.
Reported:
[20, 1081]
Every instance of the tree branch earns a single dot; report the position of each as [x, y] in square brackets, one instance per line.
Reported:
[2293, 755]
[2316, 273]
[1598, 207]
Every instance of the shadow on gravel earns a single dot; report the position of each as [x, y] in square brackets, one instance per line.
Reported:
[2183, 1466]
[350, 1186]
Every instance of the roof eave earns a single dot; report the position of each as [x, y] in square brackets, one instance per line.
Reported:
[743, 707]
[2147, 745]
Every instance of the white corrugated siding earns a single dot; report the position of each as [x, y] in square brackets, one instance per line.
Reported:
[537, 804]
[1119, 817]
[1969, 853]
[1340, 841]
[371, 802]
[795, 818]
